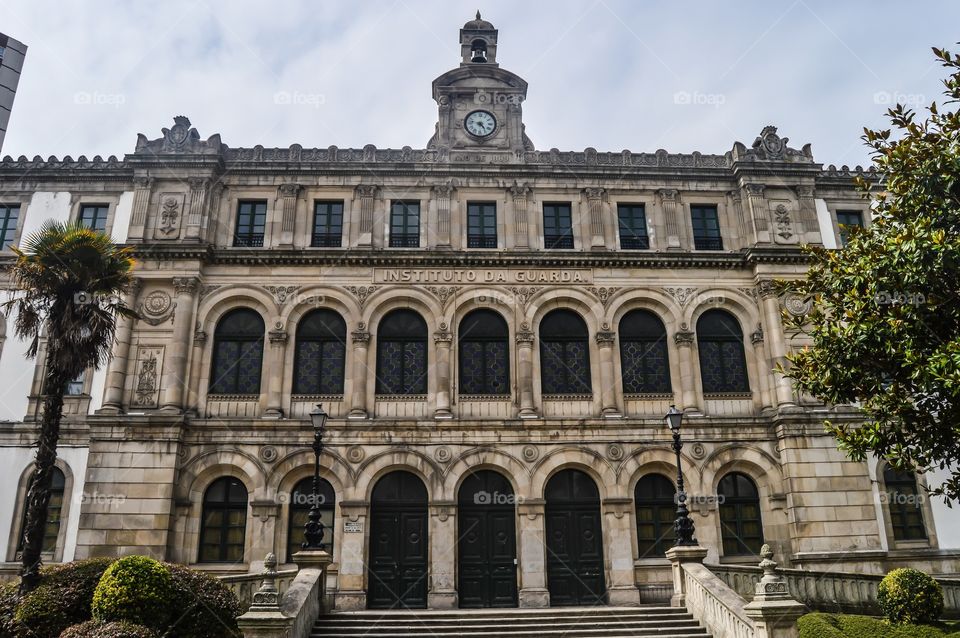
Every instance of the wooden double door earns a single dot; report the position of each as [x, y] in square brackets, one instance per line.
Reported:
[486, 541]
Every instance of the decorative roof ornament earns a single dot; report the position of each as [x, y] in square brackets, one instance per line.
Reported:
[180, 138]
[769, 146]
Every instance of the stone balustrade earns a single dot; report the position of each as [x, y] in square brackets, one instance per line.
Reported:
[715, 605]
[244, 586]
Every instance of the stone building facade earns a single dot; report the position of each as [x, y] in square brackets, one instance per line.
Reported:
[496, 332]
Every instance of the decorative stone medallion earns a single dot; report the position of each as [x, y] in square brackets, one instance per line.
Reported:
[698, 451]
[614, 451]
[355, 453]
[797, 305]
[156, 308]
[443, 454]
[268, 454]
[530, 453]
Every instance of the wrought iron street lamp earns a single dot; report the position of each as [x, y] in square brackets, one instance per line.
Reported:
[683, 527]
[313, 530]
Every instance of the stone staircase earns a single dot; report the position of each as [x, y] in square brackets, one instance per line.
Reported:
[557, 622]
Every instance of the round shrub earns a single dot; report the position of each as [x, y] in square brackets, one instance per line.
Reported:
[61, 599]
[98, 629]
[8, 606]
[137, 589]
[910, 596]
[205, 607]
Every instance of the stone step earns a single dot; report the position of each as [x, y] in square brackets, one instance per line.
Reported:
[565, 632]
[508, 612]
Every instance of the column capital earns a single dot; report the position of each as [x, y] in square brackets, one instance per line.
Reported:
[606, 337]
[520, 191]
[443, 337]
[684, 336]
[143, 182]
[525, 337]
[289, 190]
[594, 193]
[754, 189]
[806, 191]
[668, 194]
[367, 190]
[444, 190]
[185, 285]
[278, 336]
[198, 183]
[361, 335]
[757, 335]
[766, 288]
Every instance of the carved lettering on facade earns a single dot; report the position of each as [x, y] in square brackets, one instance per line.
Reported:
[481, 276]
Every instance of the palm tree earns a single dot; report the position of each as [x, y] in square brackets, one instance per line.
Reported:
[68, 280]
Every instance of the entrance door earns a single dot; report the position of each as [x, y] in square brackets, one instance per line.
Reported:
[397, 573]
[486, 541]
[574, 540]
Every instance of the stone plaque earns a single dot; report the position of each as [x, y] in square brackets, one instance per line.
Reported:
[352, 526]
[481, 276]
[146, 379]
[169, 216]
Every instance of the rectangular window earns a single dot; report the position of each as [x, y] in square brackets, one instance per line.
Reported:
[706, 228]
[557, 226]
[94, 216]
[75, 387]
[251, 222]
[633, 226]
[405, 225]
[847, 219]
[327, 224]
[481, 225]
[9, 214]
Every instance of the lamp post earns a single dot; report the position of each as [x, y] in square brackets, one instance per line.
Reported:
[683, 527]
[313, 530]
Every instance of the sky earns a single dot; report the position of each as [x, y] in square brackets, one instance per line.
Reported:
[608, 74]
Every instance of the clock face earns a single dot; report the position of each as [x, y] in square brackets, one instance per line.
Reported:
[480, 123]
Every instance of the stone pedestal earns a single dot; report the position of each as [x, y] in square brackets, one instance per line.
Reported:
[443, 551]
[773, 611]
[351, 594]
[533, 563]
[677, 557]
[618, 527]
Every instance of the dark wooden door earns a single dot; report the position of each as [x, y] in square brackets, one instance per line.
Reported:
[397, 572]
[574, 540]
[487, 542]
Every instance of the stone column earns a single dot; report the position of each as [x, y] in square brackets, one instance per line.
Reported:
[671, 215]
[141, 201]
[367, 194]
[608, 394]
[175, 370]
[763, 368]
[442, 195]
[617, 531]
[119, 361]
[193, 390]
[443, 339]
[688, 383]
[773, 611]
[275, 373]
[351, 594]
[533, 557]
[759, 212]
[736, 204]
[678, 556]
[358, 400]
[288, 195]
[783, 388]
[520, 194]
[595, 201]
[443, 556]
[197, 210]
[525, 339]
[808, 215]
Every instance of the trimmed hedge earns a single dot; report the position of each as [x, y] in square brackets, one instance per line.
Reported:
[137, 589]
[205, 607]
[97, 629]
[8, 606]
[909, 596]
[62, 598]
[820, 625]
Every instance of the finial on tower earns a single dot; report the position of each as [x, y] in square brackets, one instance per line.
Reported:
[478, 41]
[478, 15]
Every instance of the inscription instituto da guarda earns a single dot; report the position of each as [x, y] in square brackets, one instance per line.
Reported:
[481, 276]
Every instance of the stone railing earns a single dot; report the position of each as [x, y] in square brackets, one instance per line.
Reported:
[245, 585]
[715, 605]
[293, 613]
[842, 592]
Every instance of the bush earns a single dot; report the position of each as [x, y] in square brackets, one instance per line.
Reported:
[851, 626]
[818, 626]
[205, 607]
[97, 629]
[61, 599]
[8, 606]
[137, 589]
[910, 596]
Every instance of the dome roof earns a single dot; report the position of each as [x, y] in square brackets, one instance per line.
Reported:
[478, 24]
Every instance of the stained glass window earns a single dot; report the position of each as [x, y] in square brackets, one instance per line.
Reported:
[51, 530]
[740, 526]
[300, 502]
[632, 219]
[723, 365]
[224, 522]
[320, 354]
[564, 354]
[402, 354]
[656, 512]
[904, 502]
[484, 358]
[237, 353]
[643, 354]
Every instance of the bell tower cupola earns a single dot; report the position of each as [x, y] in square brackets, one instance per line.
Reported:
[478, 43]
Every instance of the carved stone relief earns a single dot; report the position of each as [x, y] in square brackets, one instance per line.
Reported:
[169, 216]
[146, 391]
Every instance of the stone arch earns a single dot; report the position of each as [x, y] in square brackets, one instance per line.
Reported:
[482, 458]
[587, 460]
[197, 474]
[480, 298]
[379, 465]
[883, 501]
[661, 460]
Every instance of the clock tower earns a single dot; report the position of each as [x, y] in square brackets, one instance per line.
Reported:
[480, 104]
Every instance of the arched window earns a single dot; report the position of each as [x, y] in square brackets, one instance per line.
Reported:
[320, 354]
[51, 531]
[224, 522]
[564, 354]
[643, 354]
[484, 358]
[740, 524]
[402, 354]
[904, 502]
[723, 366]
[237, 353]
[300, 502]
[654, 497]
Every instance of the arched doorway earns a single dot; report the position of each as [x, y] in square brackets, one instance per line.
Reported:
[397, 572]
[574, 540]
[486, 541]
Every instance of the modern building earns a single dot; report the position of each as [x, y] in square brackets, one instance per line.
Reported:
[12, 54]
[496, 331]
